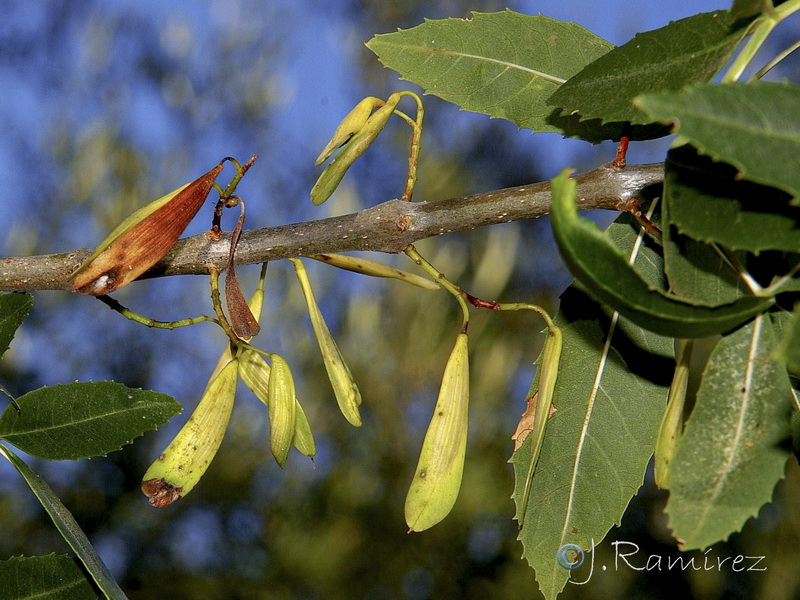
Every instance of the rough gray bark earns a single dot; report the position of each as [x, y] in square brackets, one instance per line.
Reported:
[387, 227]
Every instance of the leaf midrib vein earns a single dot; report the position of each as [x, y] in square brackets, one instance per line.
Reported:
[595, 388]
[740, 425]
[508, 65]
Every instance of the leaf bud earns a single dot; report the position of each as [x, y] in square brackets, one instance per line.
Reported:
[332, 175]
[350, 125]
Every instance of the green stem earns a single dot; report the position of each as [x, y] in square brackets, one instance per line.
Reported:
[776, 60]
[240, 171]
[740, 269]
[456, 291]
[786, 9]
[464, 297]
[215, 300]
[137, 318]
[775, 287]
[526, 306]
[416, 137]
[13, 400]
[762, 27]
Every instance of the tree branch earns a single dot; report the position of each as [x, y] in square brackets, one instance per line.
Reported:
[387, 227]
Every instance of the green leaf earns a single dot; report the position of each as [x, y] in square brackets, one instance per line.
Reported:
[502, 64]
[745, 124]
[67, 527]
[606, 272]
[14, 308]
[688, 51]
[788, 350]
[749, 8]
[730, 456]
[83, 419]
[609, 399]
[695, 270]
[698, 273]
[51, 577]
[709, 203]
[794, 424]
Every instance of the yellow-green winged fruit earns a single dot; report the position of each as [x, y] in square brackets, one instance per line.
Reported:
[282, 409]
[350, 125]
[373, 268]
[671, 428]
[142, 239]
[348, 396]
[332, 175]
[178, 469]
[540, 409]
[303, 438]
[437, 480]
[254, 371]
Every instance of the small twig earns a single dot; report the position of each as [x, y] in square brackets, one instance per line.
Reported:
[439, 277]
[137, 318]
[633, 208]
[622, 151]
[217, 302]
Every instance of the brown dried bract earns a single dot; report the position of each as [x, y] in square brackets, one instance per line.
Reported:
[160, 493]
[527, 422]
[144, 244]
[243, 323]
